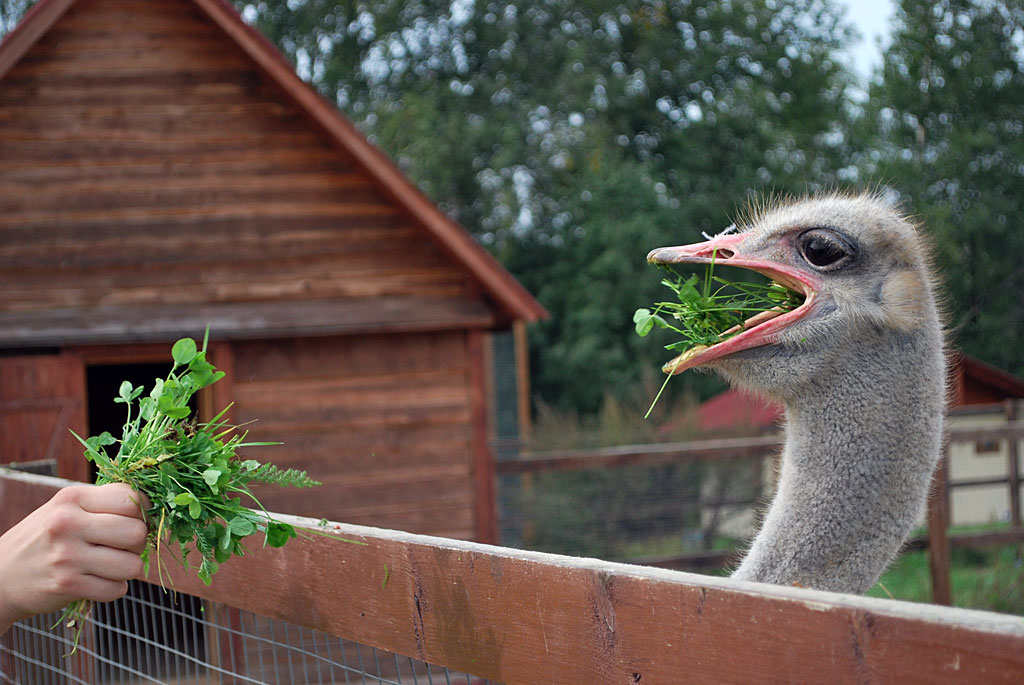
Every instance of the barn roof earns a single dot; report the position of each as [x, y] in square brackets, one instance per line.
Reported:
[504, 293]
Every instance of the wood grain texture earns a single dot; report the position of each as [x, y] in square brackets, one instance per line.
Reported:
[165, 152]
[508, 292]
[384, 421]
[41, 397]
[138, 323]
[939, 558]
[145, 159]
[485, 496]
[524, 617]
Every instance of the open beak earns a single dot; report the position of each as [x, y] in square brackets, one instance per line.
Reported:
[761, 329]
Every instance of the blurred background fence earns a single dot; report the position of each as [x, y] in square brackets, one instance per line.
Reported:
[692, 505]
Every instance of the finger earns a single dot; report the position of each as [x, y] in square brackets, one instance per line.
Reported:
[110, 564]
[114, 498]
[100, 589]
[113, 530]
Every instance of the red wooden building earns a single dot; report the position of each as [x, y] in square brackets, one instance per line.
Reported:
[162, 168]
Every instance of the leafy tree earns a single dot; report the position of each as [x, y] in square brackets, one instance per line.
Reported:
[949, 118]
[11, 12]
[572, 136]
[591, 279]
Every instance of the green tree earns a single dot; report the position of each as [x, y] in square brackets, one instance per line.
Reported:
[571, 137]
[11, 12]
[949, 117]
[591, 279]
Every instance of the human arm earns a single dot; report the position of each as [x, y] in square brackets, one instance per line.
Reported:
[82, 544]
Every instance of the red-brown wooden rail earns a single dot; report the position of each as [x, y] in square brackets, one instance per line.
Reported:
[526, 617]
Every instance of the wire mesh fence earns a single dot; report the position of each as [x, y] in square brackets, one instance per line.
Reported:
[633, 511]
[151, 636]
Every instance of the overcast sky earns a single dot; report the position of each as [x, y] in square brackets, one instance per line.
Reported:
[872, 18]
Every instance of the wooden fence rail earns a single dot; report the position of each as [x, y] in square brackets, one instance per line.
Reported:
[702, 450]
[938, 542]
[524, 617]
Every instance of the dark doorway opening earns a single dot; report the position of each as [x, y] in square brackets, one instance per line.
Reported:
[102, 383]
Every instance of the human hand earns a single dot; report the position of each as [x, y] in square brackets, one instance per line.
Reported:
[82, 544]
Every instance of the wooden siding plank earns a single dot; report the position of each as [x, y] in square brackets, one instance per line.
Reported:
[75, 191]
[248, 241]
[366, 422]
[299, 359]
[241, 163]
[157, 58]
[383, 421]
[169, 90]
[21, 122]
[240, 321]
[64, 144]
[440, 387]
[365, 451]
[430, 286]
[150, 231]
[41, 398]
[211, 86]
[353, 274]
[339, 492]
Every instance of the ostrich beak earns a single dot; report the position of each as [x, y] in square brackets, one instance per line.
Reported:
[764, 328]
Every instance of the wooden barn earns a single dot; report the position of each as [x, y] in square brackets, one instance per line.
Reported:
[162, 168]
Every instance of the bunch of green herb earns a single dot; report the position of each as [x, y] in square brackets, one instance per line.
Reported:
[188, 470]
[709, 310]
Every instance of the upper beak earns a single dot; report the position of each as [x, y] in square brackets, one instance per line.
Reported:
[759, 330]
[719, 249]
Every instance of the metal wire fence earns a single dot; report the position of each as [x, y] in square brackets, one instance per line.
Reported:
[631, 512]
[151, 636]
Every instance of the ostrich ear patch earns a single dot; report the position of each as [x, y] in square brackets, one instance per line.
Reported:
[903, 296]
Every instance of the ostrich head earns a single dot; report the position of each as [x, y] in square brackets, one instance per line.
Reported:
[860, 368]
[861, 266]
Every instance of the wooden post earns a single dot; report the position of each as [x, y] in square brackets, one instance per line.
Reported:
[226, 643]
[1013, 467]
[485, 508]
[522, 355]
[938, 533]
[221, 393]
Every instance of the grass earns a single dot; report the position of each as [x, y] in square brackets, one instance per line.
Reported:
[990, 578]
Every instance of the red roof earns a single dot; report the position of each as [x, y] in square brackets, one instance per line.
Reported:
[737, 411]
[976, 382]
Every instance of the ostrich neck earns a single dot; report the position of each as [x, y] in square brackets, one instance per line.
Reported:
[861, 445]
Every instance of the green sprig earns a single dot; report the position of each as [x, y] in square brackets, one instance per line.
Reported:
[710, 310]
[189, 471]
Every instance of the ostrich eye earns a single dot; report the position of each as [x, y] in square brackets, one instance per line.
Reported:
[824, 249]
